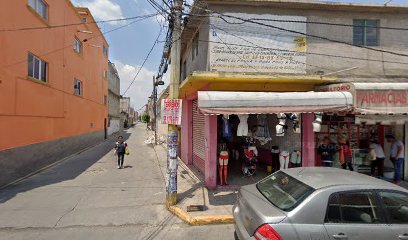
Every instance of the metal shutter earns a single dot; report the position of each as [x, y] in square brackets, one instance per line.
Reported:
[198, 138]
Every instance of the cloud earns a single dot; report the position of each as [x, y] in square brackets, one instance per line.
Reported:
[142, 87]
[102, 9]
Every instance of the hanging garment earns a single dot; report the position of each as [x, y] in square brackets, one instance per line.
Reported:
[253, 148]
[223, 159]
[262, 133]
[296, 158]
[284, 159]
[243, 125]
[275, 158]
[226, 128]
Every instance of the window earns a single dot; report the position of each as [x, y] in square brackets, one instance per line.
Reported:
[284, 191]
[353, 207]
[105, 100]
[105, 74]
[77, 45]
[37, 68]
[84, 19]
[78, 87]
[39, 7]
[396, 206]
[105, 51]
[194, 49]
[366, 32]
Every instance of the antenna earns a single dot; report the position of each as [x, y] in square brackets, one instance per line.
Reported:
[388, 1]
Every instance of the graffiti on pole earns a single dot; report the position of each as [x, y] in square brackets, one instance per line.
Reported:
[171, 171]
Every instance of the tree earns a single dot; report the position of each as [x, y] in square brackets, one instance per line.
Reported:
[145, 118]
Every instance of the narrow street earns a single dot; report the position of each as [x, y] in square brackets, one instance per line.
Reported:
[86, 197]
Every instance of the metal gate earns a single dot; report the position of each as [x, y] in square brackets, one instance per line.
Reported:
[198, 138]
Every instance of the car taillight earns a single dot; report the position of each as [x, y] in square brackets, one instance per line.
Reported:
[266, 232]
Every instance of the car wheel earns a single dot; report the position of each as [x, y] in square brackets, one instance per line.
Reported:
[236, 236]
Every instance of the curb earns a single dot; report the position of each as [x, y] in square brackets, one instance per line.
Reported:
[200, 220]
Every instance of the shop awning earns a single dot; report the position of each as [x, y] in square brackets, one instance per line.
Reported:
[375, 98]
[222, 102]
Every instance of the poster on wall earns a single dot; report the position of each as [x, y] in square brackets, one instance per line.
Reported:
[249, 47]
[171, 111]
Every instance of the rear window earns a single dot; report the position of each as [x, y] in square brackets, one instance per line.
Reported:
[284, 191]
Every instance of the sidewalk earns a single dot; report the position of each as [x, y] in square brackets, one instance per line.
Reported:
[192, 191]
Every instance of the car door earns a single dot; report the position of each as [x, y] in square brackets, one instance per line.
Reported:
[355, 215]
[395, 205]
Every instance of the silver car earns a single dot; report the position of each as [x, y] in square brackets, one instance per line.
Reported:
[321, 204]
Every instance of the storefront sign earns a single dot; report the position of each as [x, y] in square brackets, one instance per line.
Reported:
[171, 111]
[373, 99]
[250, 47]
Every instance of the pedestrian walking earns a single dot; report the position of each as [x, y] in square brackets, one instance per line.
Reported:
[345, 155]
[377, 157]
[120, 150]
[397, 156]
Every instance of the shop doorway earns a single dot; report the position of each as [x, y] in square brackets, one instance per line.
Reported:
[269, 149]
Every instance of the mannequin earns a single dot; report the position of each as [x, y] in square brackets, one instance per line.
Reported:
[223, 169]
[284, 159]
[296, 158]
[243, 125]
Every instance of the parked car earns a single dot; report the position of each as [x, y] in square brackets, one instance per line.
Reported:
[321, 204]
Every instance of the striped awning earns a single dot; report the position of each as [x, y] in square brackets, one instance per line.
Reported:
[224, 102]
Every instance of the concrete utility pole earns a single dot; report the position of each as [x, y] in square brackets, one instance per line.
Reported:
[172, 137]
[155, 108]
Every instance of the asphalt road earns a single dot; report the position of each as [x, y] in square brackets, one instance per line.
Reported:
[86, 197]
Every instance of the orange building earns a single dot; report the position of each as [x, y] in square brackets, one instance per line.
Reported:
[53, 84]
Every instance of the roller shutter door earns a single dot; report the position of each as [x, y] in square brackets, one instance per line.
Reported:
[198, 138]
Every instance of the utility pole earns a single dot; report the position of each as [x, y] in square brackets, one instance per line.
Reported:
[172, 136]
[155, 108]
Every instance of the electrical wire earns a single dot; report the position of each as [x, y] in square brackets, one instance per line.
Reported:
[75, 24]
[222, 17]
[144, 61]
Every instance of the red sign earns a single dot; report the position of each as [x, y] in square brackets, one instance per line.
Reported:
[171, 111]
[376, 98]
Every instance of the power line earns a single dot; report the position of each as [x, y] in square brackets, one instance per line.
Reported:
[221, 16]
[144, 61]
[75, 24]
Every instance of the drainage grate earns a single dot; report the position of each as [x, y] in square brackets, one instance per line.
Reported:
[195, 208]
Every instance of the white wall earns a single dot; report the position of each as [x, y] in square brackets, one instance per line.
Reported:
[114, 126]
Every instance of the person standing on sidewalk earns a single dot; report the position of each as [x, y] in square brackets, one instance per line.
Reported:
[120, 150]
[377, 159]
[345, 155]
[397, 156]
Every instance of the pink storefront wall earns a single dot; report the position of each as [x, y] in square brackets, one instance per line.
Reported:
[308, 140]
[187, 132]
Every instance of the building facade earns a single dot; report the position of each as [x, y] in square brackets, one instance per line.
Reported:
[127, 113]
[53, 84]
[284, 57]
[113, 100]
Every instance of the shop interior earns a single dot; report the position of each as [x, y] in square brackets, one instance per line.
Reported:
[243, 138]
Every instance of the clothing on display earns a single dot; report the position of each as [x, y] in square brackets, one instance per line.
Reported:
[253, 148]
[243, 125]
[223, 159]
[262, 133]
[275, 158]
[296, 158]
[284, 159]
[226, 128]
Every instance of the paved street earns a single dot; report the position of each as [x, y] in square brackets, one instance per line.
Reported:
[86, 197]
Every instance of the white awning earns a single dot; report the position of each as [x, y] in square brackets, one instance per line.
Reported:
[375, 98]
[222, 102]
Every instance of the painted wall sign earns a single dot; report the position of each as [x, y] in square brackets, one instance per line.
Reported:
[250, 47]
[171, 111]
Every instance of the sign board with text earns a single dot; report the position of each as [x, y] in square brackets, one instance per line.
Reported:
[251, 47]
[373, 100]
[171, 111]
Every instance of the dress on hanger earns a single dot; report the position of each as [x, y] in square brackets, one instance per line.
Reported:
[226, 128]
[262, 133]
[243, 125]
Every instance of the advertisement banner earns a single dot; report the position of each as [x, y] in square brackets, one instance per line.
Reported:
[171, 111]
[250, 47]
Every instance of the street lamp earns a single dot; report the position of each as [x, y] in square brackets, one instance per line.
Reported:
[157, 81]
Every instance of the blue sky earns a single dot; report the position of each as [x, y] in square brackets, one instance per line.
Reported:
[130, 45]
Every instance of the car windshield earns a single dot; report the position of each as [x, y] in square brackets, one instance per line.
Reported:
[284, 191]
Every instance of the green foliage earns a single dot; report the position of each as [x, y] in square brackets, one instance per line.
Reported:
[145, 118]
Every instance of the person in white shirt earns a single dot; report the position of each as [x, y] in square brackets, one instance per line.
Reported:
[378, 162]
[397, 156]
